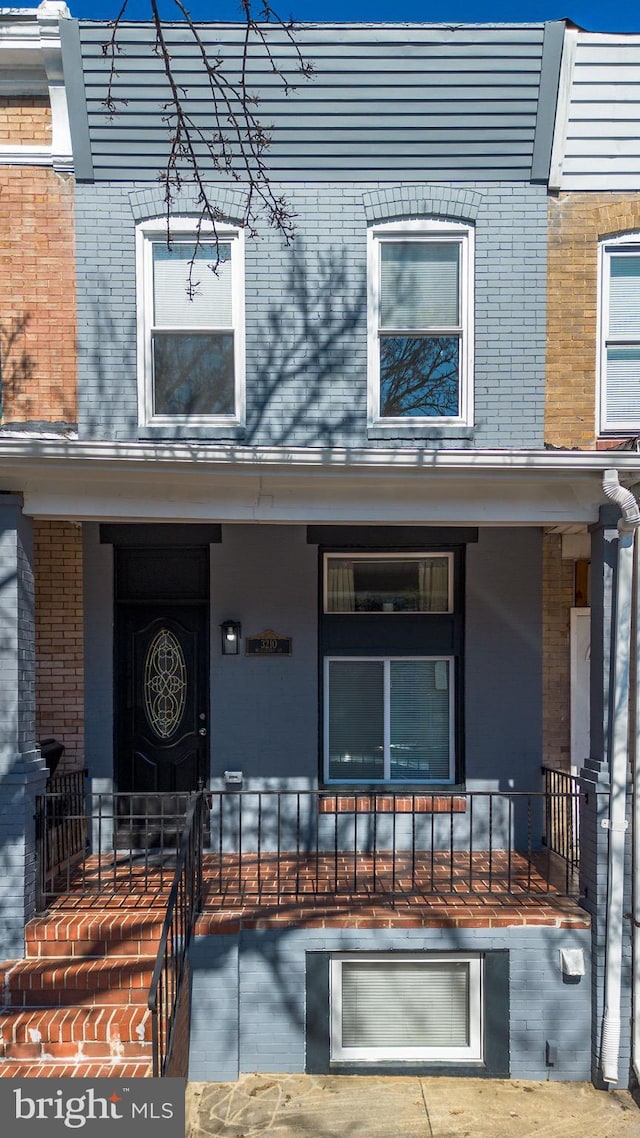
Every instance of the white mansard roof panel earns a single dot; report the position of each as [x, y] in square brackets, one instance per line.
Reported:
[600, 119]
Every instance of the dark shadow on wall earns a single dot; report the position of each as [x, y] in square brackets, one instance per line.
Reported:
[305, 347]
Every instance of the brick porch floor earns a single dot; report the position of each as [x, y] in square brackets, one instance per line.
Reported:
[430, 891]
[319, 889]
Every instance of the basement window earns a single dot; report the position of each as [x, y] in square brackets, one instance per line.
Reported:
[400, 1007]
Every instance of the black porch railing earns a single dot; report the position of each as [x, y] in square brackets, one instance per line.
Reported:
[169, 983]
[322, 842]
[299, 843]
[61, 829]
[102, 843]
[562, 815]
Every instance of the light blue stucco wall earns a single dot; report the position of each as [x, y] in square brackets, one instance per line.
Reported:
[503, 659]
[264, 711]
[249, 995]
[98, 666]
[306, 319]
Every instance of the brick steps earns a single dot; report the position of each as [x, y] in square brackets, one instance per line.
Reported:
[66, 1070]
[77, 1004]
[112, 934]
[64, 981]
[76, 1033]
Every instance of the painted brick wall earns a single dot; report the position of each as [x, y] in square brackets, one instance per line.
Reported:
[37, 282]
[21, 773]
[25, 121]
[306, 319]
[257, 981]
[59, 638]
[557, 599]
[576, 223]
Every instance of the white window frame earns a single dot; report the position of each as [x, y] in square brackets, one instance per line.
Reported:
[422, 230]
[386, 780]
[407, 556]
[630, 243]
[183, 229]
[472, 1053]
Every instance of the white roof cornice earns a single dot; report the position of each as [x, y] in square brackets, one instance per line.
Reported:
[31, 65]
[196, 482]
[229, 455]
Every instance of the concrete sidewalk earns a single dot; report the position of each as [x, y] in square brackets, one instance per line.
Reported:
[325, 1106]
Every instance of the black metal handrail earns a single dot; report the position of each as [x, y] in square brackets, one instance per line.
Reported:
[184, 903]
[279, 844]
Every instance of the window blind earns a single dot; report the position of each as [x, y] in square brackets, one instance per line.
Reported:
[624, 297]
[623, 386]
[210, 306]
[419, 719]
[405, 1004]
[419, 284]
[356, 719]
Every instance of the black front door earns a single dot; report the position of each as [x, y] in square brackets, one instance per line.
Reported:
[161, 688]
[163, 721]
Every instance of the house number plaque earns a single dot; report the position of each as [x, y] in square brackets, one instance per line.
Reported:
[267, 643]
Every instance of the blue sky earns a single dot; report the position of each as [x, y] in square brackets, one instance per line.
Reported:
[595, 15]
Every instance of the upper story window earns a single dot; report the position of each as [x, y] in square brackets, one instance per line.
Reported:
[190, 325]
[619, 334]
[421, 323]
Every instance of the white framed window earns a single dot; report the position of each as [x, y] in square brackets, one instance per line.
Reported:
[388, 583]
[191, 355]
[397, 1006]
[389, 719]
[619, 335]
[420, 323]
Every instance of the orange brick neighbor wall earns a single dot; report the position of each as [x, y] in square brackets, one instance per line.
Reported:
[557, 601]
[577, 222]
[59, 638]
[37, 278]
[25, 121]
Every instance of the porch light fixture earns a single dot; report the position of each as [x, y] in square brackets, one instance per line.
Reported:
[230, 631]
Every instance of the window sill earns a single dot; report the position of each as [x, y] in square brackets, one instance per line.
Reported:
[215, 432]
[419, 431]
[618, 440]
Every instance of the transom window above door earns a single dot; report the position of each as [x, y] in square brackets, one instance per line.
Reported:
[388, 583]
[420, 323]
[190, 325]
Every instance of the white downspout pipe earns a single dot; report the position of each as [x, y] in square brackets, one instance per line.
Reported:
[618, 762]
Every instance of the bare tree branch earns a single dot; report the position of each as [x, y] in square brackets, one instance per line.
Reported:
[238, 141]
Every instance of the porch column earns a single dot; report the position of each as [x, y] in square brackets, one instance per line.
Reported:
[594, 775]
[22, 770]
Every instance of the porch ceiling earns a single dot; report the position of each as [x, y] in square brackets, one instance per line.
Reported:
[182, 482]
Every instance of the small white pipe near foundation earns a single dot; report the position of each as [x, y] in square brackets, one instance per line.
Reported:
[618, 763]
